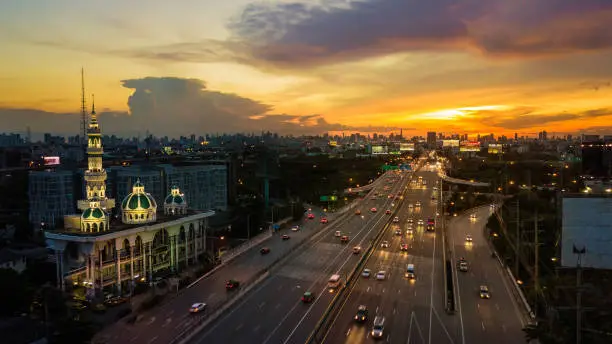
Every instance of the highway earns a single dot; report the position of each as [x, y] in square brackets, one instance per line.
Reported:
[273, 313]
[498, 319]
[413, 310]
[162, 324]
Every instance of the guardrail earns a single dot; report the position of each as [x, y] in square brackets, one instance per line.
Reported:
[322, 327]
[222, 306]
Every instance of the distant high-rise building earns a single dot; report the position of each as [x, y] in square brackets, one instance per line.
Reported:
[51, 196]
[431, 138]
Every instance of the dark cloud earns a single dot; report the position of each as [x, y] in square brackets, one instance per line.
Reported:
[529, 118]
[296, 34]
[175, 106]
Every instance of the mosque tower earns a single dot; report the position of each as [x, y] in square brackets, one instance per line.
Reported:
[96, 205]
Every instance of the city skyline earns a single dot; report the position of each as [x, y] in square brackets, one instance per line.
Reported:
[244, 66]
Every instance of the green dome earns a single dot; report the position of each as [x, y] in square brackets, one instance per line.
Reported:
[174, 199]
[93, 213]
[135, 201]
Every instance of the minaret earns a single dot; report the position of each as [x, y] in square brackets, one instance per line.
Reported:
[95, 175]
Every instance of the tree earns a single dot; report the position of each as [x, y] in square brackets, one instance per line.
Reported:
[14, 292]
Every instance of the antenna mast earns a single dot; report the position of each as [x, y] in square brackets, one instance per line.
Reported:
[83, 110]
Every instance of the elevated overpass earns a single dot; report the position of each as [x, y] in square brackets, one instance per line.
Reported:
[462, 181]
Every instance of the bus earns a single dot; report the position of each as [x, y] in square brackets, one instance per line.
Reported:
[334, 283]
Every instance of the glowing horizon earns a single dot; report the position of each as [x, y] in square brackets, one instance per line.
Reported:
[241, 65]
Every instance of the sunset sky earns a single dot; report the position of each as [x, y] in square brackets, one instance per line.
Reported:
[311, 66]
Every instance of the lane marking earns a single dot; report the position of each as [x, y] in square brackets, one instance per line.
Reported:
[431, 295]
[348, 332]
[239, 327]
[152, 340]
[444, 327]
[456, 282]
[262, 304]
[256, 328]
[482, 324]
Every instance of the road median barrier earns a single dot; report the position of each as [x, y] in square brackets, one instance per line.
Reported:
[328, 318]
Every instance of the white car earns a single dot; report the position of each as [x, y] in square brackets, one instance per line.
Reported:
[384, 244]
[197, 307]
[366, 273]
[381, 275]
[396, 219]
[295, 228]
[338, 234]
[410, 206]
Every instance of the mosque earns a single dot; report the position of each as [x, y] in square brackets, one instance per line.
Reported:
[103, 251]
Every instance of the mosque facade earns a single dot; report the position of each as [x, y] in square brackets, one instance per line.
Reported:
[141, 241]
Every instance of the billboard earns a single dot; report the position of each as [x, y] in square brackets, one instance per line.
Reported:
[495, 148]
[450, 143]
[379, 149]
[406, 147]
[469, 146]
[587, 224]
[51, 160]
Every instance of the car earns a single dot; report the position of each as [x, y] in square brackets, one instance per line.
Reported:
[308, 297]
[410, 206]
[362, 314]
[398, 232]
[388, 212]
[418, 204]
[324, 220]
[410, 221]
[357, 212]
[344, 239]
[404, 247]
[232, 284]
[421, 222]
[366, 273]
[384, 244]
[484, 292]
[396, 219]
[378, 326]
[390, 196]
[373, 198]
[264, 250]
[356, 249]
[409, 231]
[463, 266]
[311, 216]
[373, 210]
[295, 228]
[285, 237]
[461, 260]
[468, 238]
[473, 217]
[337, 234]
[381, 275]
[197, 307]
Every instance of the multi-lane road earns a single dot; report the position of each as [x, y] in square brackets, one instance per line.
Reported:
[414, 309]
[163, 323]
[498, 319]
[273, 313]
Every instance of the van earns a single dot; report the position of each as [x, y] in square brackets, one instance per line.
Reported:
[334, 283]
[378, 327]
[410, 271]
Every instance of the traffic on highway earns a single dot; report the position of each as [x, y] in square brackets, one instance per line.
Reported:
[287, 305]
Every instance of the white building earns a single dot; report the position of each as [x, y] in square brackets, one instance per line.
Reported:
[99, 251]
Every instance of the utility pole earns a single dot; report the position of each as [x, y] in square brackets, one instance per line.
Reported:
[518, 240]
[536, 264]
[580, 253]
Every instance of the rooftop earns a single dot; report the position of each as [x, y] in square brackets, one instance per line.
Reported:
[117, 226]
